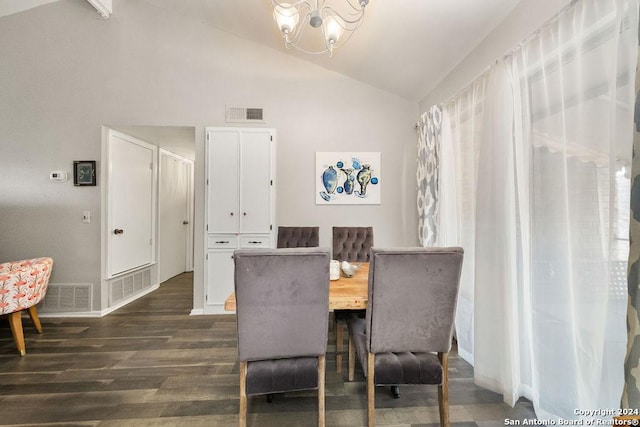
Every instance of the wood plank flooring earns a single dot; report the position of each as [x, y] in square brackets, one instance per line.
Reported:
[152, 364]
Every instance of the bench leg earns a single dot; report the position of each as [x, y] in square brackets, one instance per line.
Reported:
[15, 321]
[33, 314]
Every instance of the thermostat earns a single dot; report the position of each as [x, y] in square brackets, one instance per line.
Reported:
[58, 176]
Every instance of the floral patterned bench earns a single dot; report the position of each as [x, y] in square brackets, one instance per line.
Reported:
[22, 285]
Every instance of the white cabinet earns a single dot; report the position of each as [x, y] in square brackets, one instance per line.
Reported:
[219, 278]
[240, 202]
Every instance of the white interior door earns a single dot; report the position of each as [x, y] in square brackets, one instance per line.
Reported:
[131, 213]
[175, 214]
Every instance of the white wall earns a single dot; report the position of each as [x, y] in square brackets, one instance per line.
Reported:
[525, 18]
[64, 73]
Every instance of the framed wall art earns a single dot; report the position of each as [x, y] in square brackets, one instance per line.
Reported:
[84, 172]
[348, 178]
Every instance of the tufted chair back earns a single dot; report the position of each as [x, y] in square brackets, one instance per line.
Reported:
[352, 244]
[298, 237]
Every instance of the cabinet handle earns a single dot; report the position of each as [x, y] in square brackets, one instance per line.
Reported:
[244, 213]
[118, 231]
[254, 242]
[231, 213]
[226, 242]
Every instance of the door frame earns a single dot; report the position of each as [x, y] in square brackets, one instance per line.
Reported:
[190, 207]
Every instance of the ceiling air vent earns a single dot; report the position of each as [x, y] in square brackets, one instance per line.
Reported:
[244, 115]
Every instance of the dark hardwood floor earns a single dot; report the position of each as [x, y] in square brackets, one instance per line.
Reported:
[152, 364]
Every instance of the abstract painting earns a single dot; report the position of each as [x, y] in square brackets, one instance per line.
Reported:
[345, 178]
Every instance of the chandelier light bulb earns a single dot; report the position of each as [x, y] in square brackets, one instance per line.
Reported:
[333, 30]
[286, 17]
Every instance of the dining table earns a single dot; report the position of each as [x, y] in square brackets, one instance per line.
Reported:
[345, 293]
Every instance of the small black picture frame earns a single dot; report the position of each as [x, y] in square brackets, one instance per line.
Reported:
[84, 172]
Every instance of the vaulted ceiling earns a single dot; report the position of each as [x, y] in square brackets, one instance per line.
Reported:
[404, 46]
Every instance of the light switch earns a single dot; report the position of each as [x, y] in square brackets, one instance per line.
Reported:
[86, 216]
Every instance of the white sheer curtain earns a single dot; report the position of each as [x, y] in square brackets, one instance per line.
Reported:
[537, 151]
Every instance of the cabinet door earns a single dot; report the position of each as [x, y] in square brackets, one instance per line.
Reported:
[220, 279]
[222, 177]
[255, 181]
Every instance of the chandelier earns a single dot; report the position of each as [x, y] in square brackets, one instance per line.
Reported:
[335, 20]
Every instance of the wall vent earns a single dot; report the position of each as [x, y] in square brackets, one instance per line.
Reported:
[244, 115]
[127, 286]
[67, 298]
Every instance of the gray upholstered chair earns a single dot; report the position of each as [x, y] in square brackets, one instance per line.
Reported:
[298, 237]
[351, 244]
[282, 306]
[406, 335]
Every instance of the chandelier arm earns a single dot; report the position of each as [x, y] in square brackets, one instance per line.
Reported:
[310, 52]
[357, 8]
[296, 4]
[294, 37]
[357, 21]
[341, 41]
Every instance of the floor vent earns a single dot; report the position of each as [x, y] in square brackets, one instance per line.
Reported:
[244, 115]
[127, 286]
[67, 298]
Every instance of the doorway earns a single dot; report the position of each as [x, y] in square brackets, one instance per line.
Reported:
[175, 228]
[172, 251]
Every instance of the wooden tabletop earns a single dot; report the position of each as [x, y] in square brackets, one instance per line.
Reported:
[346, 293]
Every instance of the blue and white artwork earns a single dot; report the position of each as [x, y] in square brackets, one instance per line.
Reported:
[347, 178]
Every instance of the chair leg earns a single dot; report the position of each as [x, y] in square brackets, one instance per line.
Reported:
[352, 359]
[321, 375]
[371, 390]
[395, 391]
[443, 390]
[15, 321]
[243, 395]
[33, 314]
[339, 346]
